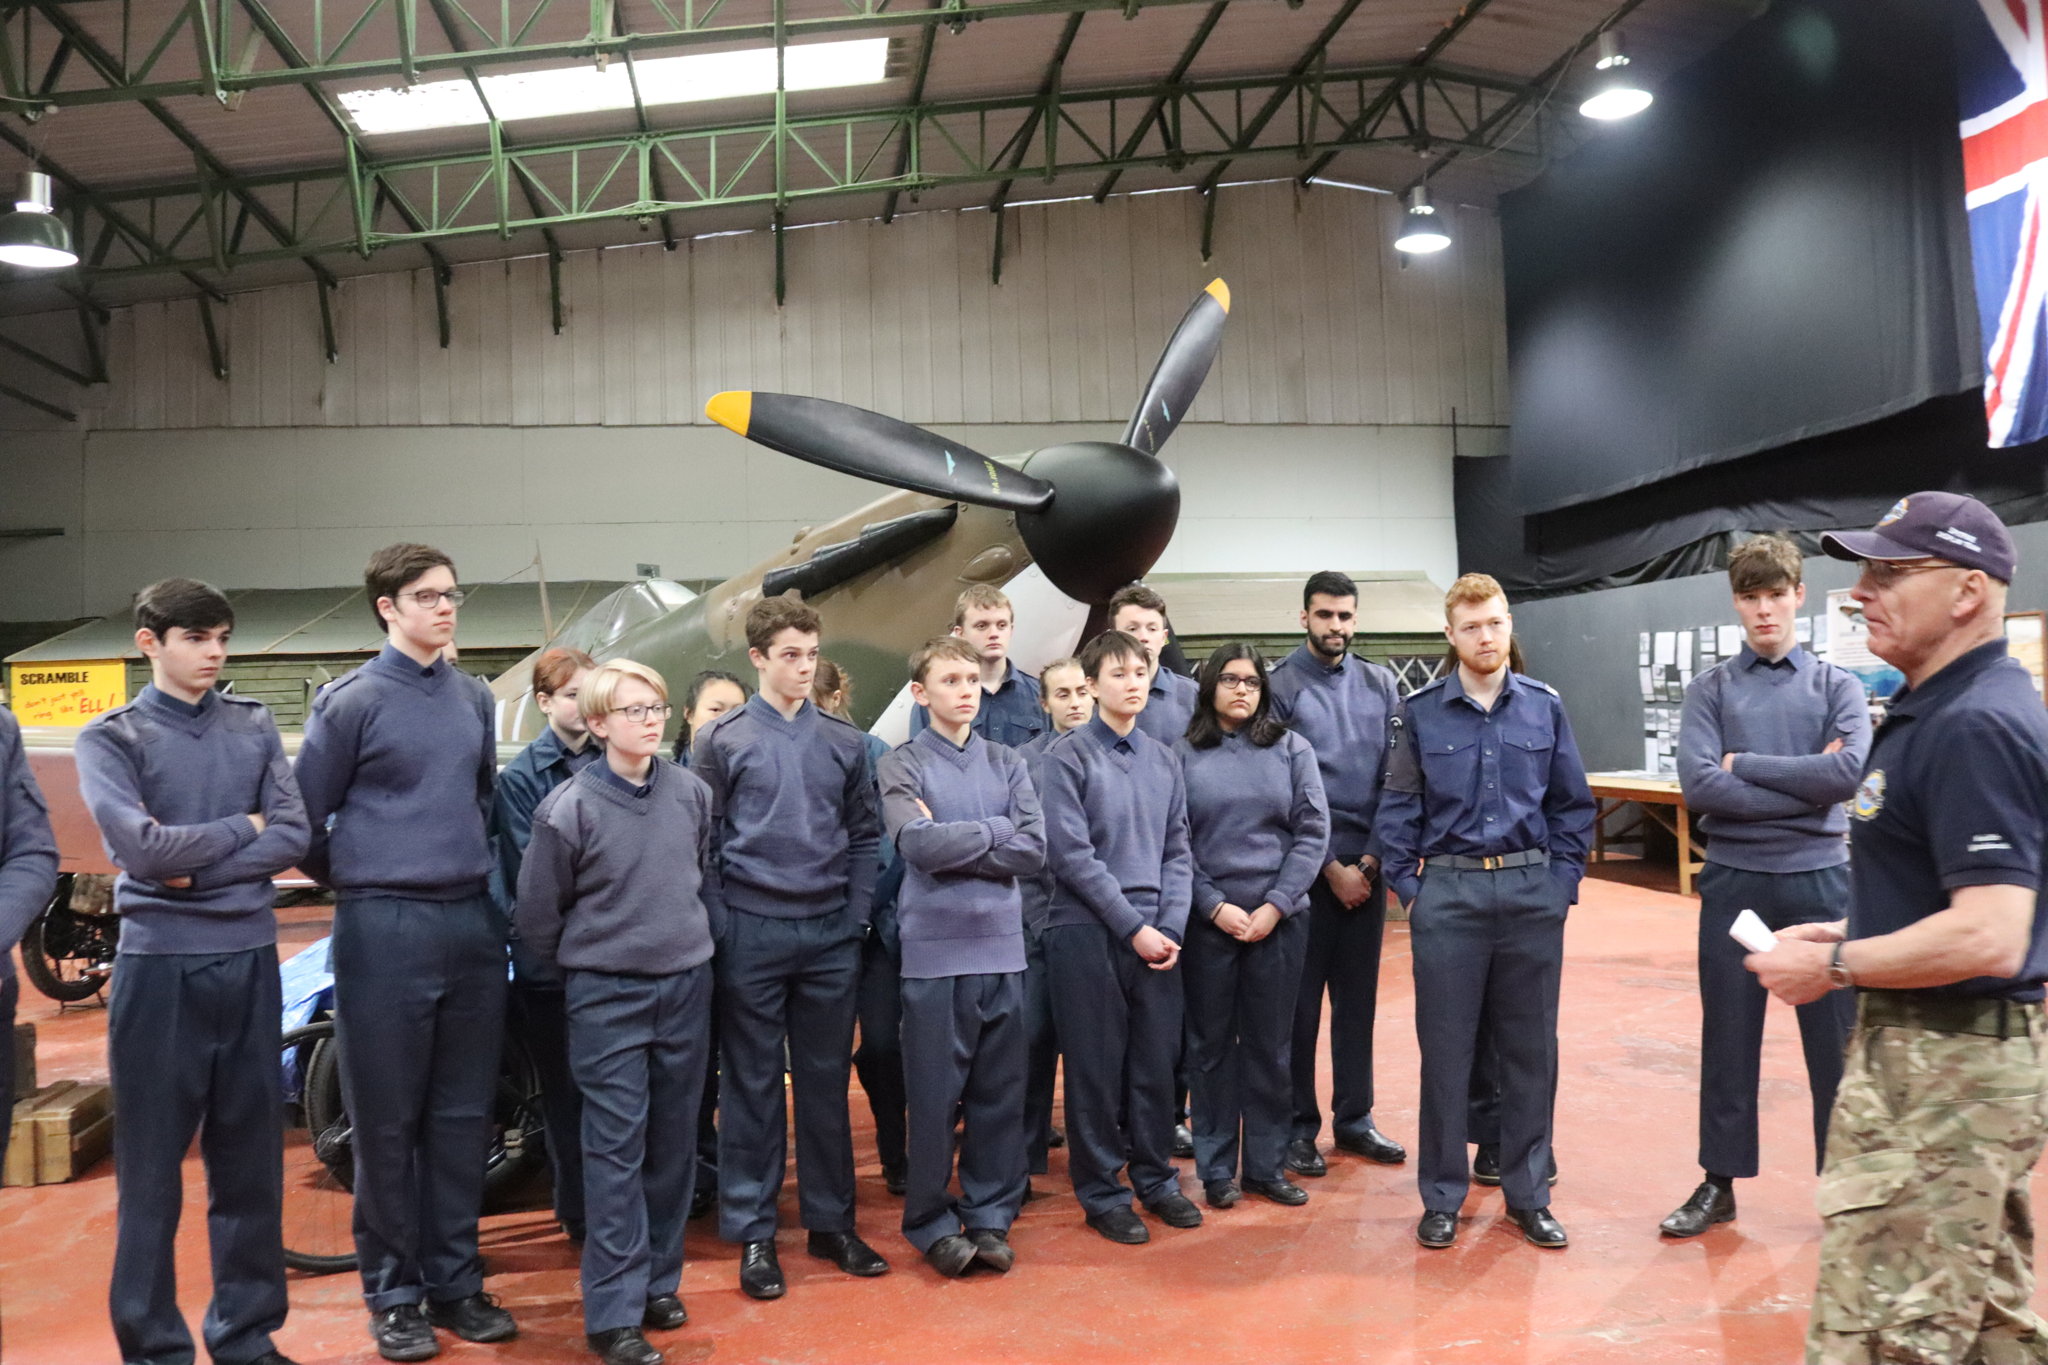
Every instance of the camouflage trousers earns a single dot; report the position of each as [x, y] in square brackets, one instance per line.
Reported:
[1927, 1249]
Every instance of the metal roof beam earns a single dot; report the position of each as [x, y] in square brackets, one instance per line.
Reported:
[1302, 68]
[1179, 73]
[1424, 59]
[866, 18]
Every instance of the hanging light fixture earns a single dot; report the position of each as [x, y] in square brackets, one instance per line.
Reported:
[33, 235]
[1615, 93]
[1422, 229]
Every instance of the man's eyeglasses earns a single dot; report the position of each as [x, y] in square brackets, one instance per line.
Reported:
[1883, 575]
[429, 598]
[1237, 684]
[637, 714]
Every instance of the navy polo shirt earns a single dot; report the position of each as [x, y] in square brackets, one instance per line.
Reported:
[1010, 715]
[1956, 795]
[1477, 783]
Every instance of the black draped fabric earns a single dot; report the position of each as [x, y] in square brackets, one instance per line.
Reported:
[1686, 524]
[1775, 251]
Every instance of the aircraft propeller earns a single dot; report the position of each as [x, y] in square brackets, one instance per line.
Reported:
[1095, 515]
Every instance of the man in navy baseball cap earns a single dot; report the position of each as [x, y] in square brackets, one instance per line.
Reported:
[1950, 526]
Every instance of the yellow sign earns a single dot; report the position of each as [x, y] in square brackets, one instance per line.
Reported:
[68, 693]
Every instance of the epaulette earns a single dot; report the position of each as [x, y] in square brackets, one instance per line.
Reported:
[239, 700]
[823, 714]
[328, 689]
[1538, 682]
[1430, 686]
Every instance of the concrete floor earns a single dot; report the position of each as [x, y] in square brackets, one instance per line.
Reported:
[1338, 1280]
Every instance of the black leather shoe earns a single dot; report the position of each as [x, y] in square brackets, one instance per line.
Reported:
[1539, 1227]
[1304, 1159]
[847, 1251]
[624, 1346]
[992, 1248]
[1710, 1204]
[1175, 1210]
[1183, 1141]
[1281, 1191]
[895, 1180]
[760, 1272]
[402, 1333]
[702, 1201]
[1373, 1145]
[665, 1313]
[1437, 1230]
[1486, 1165]
[476, 1318]
[1221, 1194]
[1058, 1138]
[950, 1255]
[1121, 1225]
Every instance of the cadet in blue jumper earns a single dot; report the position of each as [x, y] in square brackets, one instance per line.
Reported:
[1010, 712]
[1117, 840]
[1484, 781]
[1771, 744]
[199, 810]
[397, 768]
[1258, 826]
[1069, 705]
[28, 877]
[797, 833]
[1140, 613]
[557, 754]
[966, 823]
[612, 893]
[1342, 705]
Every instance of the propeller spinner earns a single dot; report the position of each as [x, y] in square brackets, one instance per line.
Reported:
[1095, 515]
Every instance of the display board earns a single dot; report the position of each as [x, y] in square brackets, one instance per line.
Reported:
[66, 694]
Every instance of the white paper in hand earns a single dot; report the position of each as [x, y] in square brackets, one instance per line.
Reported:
[1752, 933]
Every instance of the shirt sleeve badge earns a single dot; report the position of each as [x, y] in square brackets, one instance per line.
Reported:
[1869, 797]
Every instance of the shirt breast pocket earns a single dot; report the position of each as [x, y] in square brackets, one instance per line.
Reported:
[1525, 755]
[1448, 764]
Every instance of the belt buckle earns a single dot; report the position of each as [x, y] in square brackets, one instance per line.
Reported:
[1493, 862]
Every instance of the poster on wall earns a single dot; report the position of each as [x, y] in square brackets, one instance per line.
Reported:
[65, 694]
[1848, 645]
[2024, 640]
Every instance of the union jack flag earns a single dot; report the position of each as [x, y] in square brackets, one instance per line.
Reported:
[2003, 54]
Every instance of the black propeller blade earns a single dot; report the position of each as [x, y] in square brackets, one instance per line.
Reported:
[1182, 367]
[868, 445]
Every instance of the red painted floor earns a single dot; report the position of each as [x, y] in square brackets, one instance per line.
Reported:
[1338, 1280]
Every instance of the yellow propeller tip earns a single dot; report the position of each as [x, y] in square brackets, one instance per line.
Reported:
[1220, 292]
[733, 409]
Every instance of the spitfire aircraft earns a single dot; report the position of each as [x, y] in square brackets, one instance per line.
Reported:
[1060, 530]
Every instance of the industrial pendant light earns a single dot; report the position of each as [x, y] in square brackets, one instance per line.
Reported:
[1422, 229]
[33, 235]
[1615, 93]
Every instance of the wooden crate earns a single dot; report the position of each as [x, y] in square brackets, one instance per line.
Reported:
[59, 1133]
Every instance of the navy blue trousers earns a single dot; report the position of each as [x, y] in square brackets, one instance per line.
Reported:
[638, 1045]
[1732, 1009]
[879, 1058]
[1488, 949]
[193, 1045]
[1042, 1045]
[419, 1012]
[1240, 1025]
[540, 1015]
[794, 982]
[963, 1060]
[1341, 957]
[1120, 1029]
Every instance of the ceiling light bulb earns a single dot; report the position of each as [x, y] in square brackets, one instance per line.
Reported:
[33, 235]
[1615, 94]
[1422, 228]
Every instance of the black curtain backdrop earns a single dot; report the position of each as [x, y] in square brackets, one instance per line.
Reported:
[1775, 251]
[1687, 523]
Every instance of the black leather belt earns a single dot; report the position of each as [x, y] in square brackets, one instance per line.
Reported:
[1459, 862]
[1946, 1014]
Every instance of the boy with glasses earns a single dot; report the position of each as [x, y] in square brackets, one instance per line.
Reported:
[611, 892]
[397, 769]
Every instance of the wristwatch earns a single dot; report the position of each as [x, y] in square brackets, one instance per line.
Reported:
[1838, 970]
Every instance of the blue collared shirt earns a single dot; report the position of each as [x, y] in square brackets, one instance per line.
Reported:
[1169, 706]
[1461, 780]
[1010, 715]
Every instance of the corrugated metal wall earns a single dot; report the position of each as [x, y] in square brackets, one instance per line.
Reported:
[1327, 328]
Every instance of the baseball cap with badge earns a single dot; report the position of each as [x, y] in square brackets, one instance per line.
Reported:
[1935, 525]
